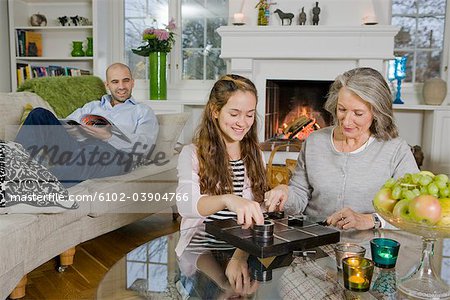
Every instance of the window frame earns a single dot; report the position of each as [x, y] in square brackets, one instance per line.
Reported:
[412, 92]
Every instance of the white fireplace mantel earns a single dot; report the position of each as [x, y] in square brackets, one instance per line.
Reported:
[307, 42]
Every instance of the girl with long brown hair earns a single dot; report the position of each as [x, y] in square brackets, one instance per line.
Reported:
[222, 174]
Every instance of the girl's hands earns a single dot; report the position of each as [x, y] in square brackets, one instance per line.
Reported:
[247, 211]
[239, 277]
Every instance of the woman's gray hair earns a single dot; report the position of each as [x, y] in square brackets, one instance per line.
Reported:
[372, 88]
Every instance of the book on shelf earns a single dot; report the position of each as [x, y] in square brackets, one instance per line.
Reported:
[33, 43]
[20, 42]
[26, 71]
[73, 127]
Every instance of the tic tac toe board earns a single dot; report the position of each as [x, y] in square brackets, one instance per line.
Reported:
[286, 238]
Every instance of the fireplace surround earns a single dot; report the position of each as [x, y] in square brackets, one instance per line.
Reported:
[303, 53]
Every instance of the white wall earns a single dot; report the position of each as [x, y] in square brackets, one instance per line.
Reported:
[5, 79]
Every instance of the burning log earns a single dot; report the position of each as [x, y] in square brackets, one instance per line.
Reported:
[297, 123]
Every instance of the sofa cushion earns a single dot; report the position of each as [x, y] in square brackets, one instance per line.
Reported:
[27, 186]
[12, 106]
[170, 127]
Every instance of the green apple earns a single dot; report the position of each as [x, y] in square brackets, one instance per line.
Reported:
[384, 201]
[401, 209]
[445, 206]
[425, 209]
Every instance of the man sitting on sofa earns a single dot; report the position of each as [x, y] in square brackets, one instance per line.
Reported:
[105, 150]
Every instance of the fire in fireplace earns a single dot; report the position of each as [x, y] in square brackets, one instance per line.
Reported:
[294, 109]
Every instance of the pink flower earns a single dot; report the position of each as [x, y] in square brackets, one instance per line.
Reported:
[156, 40]
[148, 31]
[171, 26]
[161, 34]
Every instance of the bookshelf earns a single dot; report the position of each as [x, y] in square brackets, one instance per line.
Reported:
[56, 39]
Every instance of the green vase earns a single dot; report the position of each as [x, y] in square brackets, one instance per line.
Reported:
[77, 49]
[90, 47]
[157, 75]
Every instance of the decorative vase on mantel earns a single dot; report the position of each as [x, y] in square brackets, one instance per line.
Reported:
[434, 91]
[157, 75]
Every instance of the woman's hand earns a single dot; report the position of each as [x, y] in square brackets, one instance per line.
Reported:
[238, 276]
[275, 198]
[346, 218]
[247, 211]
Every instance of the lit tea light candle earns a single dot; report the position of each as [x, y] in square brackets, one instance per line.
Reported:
[385, 254]
[356, 279]
[238, 18]
[357, 273]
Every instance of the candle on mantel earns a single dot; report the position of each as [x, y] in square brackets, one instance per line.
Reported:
[238, 18]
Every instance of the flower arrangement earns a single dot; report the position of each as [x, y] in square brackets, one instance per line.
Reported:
[157, 40]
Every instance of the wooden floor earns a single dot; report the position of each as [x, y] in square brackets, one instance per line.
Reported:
[93, 259]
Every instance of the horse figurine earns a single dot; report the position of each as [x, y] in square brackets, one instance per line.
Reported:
[283, 16]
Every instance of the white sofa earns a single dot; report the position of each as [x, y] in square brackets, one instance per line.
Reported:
[29, 240]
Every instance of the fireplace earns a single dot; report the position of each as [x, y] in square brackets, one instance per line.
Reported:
[294, 108]
[305, 55]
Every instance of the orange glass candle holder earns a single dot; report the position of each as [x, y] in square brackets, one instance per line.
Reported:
[357, 273]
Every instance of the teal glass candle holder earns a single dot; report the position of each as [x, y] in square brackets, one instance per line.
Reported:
[357, 273]
[384, 252]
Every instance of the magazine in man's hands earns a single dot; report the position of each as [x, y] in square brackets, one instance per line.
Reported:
[91, 120]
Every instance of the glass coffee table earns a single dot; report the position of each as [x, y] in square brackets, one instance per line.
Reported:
[153, 271]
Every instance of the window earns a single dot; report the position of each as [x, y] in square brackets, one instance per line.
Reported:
[201, 43]
[197, 44]
[421, 37]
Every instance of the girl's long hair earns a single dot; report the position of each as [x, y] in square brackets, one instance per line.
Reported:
[215, 173]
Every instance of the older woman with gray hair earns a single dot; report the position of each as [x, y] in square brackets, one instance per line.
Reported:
[340, 168]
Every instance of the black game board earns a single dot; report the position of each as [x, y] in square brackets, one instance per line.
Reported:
[288, 236]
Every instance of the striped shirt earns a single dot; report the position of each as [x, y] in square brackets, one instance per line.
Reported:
[205, 241]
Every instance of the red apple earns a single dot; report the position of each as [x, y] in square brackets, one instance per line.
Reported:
[425, 209]
[383, 200]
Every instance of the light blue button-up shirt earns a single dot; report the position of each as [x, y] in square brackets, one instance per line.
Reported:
[136, 120]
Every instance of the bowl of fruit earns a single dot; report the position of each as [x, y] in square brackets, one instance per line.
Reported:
[420, 204]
